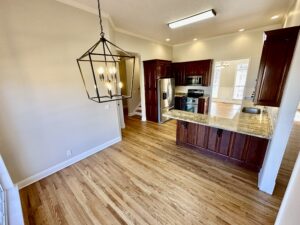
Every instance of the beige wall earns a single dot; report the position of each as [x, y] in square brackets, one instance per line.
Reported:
[229, 47]
[44, 108]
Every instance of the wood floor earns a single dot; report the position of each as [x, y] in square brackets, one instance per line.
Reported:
[147, 179]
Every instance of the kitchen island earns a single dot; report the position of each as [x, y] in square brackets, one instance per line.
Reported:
[242, 139]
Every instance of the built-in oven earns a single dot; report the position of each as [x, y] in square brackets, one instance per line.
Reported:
[193, 80]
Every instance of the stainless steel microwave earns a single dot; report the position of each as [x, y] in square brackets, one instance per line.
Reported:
[193, 80]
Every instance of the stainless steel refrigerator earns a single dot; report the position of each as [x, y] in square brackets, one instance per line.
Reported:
[166, 97]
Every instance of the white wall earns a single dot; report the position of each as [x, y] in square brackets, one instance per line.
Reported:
[289, 210]
[286, 114]
[228, 47]
[147, 50]
[44, 108]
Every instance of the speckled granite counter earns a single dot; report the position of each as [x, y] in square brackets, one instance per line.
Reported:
[250, 124]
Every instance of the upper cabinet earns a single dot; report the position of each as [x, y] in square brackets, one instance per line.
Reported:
[178, 72]
[275, 62]
[194, 68]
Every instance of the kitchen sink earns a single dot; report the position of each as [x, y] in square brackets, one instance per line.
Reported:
[251, 110]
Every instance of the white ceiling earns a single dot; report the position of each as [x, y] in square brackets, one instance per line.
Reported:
[149, 18]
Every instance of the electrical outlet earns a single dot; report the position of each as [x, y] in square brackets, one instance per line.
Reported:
[69, 153]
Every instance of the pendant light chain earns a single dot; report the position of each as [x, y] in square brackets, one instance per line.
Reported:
[100, 18]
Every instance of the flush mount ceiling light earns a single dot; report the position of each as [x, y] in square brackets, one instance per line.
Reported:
[99, 66]
[193, 19]
[242, 29]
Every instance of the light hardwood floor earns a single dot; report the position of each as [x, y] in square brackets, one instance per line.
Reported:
[147, 179]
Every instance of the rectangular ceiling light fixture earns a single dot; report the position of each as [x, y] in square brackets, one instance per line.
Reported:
[193, 19]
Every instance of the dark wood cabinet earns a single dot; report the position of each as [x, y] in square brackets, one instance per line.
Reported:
[213, 140]
[153, 70]
[241, 149]
[178, 72]
[203, 105]
[219, 140]
[181, 132]
[192, 68]
[275, 62]
[238, 147]
[225, 140]
[256, 151]
[180, 102]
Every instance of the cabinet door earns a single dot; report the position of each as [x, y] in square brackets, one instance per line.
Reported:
[225, 138]
[207, 70]
[202, 136]
[151, 105]
[196, 135]
[192, 133]
[150, 76]
[275, 61]
[201, 106]
[213, 140]
[181, 134]
[256, 152]
[238, 147]
[178, 72]
[163, 69]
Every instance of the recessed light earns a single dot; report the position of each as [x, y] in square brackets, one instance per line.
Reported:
[168, 39]
[242, 29]
[275, 17]
[192, 19]
[195, 39]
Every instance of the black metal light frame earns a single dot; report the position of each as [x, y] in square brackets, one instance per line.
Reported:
[93, 56]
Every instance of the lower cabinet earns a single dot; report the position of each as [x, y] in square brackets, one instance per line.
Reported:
[203, 105]
[244, 150]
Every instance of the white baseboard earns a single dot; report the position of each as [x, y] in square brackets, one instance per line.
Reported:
[62, 165]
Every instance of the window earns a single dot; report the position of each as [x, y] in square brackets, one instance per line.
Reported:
[216, 81]
[240, 81]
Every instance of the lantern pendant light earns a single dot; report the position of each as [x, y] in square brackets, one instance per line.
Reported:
[99, 69]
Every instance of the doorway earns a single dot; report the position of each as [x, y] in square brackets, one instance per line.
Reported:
[229, 87]
[132, 106]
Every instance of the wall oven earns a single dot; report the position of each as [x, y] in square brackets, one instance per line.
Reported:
[193, 80]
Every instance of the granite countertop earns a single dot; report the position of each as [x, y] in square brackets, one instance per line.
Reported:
[180, 94]
[244, 123]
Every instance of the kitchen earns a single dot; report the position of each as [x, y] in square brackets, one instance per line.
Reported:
[242, 138]
[156, 125]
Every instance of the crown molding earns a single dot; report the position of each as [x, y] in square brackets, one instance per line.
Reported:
[89, 9]
[105, 15]
[263, 28]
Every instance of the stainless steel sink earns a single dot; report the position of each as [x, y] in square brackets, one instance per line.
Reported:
[251, 110]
